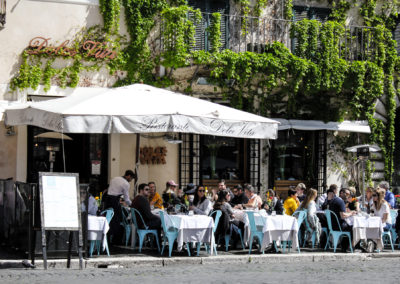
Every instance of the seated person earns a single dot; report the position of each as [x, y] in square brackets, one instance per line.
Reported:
[381, 208]
[312, 219]
[301, 188]
[273, 203]
[337, 206]
[352, 203]
[201, 205]
[92, 204]
[238, 196]
[255, 201]
[227, 225]
[169, 196]
[141, 203]
[291, 203]
[155, 198]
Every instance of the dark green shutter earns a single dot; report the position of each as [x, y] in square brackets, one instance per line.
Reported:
[207, 7]
[396, 37]
[300, 13]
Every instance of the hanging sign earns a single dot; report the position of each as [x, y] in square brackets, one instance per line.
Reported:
[150, 155]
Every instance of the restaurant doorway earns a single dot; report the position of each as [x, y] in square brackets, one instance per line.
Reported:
[86, 154]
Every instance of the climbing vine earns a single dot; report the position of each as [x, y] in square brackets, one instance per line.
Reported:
[316, 81]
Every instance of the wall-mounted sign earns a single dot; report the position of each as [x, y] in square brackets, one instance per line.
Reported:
[41, 45]
[150, 155]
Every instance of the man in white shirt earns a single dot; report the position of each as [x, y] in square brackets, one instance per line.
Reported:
[119, 186]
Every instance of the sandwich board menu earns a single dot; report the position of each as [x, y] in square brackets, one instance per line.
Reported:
[60, 207]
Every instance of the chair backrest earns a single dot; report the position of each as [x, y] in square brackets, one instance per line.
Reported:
[252, 220]
[125, 221]
[301, 216]
[163, 221]
[163, 216]
[109, 214]
[393, 215]
[133, 213]
[328, 214]
[217, 214]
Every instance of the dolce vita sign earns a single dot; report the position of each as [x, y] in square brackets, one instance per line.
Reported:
[89, 48]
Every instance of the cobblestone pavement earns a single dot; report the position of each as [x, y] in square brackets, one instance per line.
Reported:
[370, 270]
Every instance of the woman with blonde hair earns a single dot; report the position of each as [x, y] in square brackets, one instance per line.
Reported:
[381, 208]
[310, 206]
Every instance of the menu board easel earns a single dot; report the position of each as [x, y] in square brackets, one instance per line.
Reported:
[60, 209]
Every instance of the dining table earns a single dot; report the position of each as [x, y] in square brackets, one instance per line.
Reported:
[276, 228]
[97, 229]
[191, 228]
[366, 227]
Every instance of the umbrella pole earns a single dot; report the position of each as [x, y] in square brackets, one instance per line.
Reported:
[363, 185]
[62, 143]
[136, 164]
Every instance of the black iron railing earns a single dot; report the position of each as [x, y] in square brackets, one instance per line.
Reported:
[241, 34]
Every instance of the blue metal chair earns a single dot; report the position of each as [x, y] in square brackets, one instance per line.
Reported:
[170, 233]
[228, 238]
[336, 235]
[309, 232]
[127, 226]
[216, 214]
[109, 215]
[142, 233]
[393, 215]
[301, 215]
[255, 231]
[326, 231]
[386, 235]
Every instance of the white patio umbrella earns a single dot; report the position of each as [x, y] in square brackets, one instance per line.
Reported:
[141, 108]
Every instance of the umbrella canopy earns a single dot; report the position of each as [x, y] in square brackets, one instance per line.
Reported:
[141, 108]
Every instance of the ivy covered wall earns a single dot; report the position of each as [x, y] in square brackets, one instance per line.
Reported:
[321, 77]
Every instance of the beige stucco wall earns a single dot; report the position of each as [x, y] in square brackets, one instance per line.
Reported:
[159, 173]
[29, 19]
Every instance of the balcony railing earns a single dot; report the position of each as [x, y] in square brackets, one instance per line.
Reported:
[241, 34]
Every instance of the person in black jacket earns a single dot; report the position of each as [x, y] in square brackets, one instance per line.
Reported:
[141, 203]
[239, 196]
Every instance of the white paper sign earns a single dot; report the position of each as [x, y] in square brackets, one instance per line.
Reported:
[60, 201]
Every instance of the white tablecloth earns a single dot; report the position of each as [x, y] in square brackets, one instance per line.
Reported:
[97, 229]
[276, 228]
[365, 227]
[195, 228]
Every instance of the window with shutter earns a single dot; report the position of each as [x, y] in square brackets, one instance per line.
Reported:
[396, 36]
[208, 7]
[311, 13]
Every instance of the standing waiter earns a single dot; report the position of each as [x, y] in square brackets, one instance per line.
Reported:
[118, 186]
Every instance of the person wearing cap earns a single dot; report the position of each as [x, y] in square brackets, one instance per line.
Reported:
[119, 186]
[300, 189]
[169, 196]
[154, 198]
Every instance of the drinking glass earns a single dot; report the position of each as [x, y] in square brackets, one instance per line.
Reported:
[273, 213]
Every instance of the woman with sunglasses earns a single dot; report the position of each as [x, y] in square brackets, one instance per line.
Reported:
[381, 208]
[201, 205]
